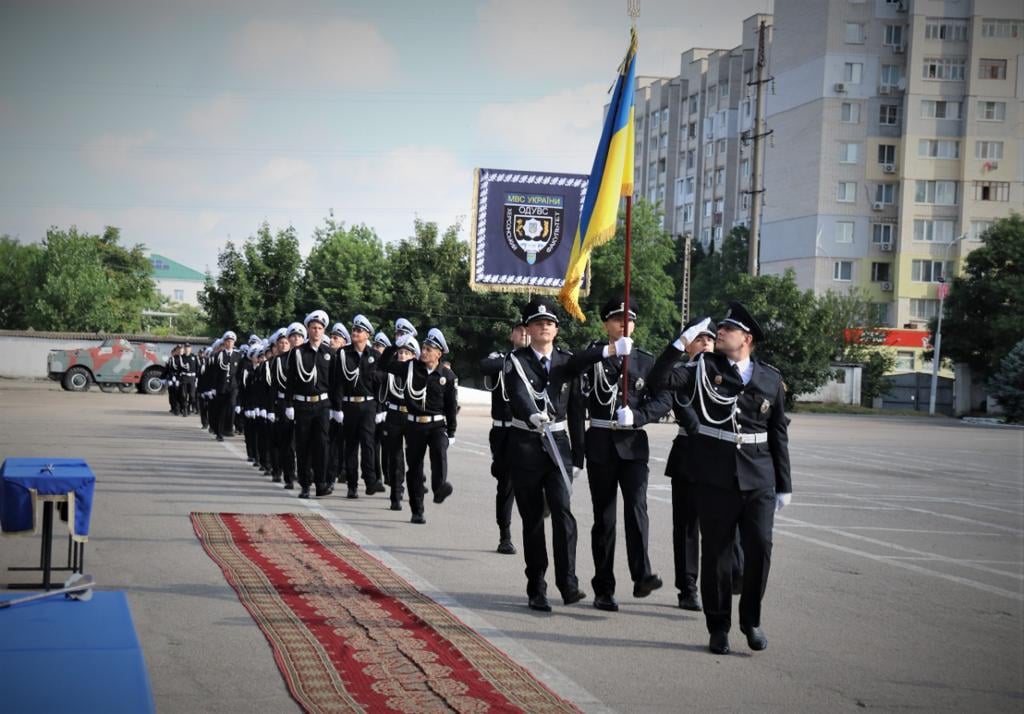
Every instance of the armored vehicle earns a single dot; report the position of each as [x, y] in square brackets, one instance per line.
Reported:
[116, 364]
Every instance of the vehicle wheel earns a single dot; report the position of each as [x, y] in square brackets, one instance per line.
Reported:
[125, 388]
[152, 383]
[76, 379]
[107, 388]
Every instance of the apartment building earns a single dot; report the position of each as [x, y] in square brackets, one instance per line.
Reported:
[897, 141]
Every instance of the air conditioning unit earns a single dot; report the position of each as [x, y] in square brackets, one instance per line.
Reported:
[899, 49]
[840, 87]
[885, 247]
[887, 287]
[888, 168]
[877, 206]
[885, 89]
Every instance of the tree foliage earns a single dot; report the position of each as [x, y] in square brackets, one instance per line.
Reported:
[983, 315]
[857, 339]
[1007, 384]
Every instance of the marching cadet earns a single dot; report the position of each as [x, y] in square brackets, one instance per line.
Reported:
[381, 342]
[492, 369]
[308, 404]
[431, 396]
[617, 450]
[246, 398]
[295, 335]
[187, 376]
[739, 461]
[547, 424]
[207, 386]
[355, 386]
[225, 386]
[170, 378]
[336, 447]
[394, 412]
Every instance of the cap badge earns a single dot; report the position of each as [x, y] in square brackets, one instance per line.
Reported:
[443, 381]
[542, 309]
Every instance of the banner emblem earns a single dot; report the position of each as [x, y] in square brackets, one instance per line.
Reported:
[533, 225]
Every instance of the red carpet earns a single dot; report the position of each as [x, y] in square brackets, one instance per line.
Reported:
[349, 635]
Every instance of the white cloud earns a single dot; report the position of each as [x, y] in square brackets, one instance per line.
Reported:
[217, 119]
[336, 53]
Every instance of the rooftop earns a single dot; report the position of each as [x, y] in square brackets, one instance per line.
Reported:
[166, 269]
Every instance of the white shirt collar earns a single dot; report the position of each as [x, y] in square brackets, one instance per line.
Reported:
[745, 367]
[541, 355]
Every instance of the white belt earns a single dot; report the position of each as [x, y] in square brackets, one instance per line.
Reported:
[426, 419]
[280, 395]
[731, 436]
[398, 408]
[357, 400]
[555, 426]
[500, 423]
[312, 400]
[609, 424]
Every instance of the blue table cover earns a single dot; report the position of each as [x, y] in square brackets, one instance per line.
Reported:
[19, 477]
[59, 655]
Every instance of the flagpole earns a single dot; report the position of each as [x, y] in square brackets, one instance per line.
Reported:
[625, 298]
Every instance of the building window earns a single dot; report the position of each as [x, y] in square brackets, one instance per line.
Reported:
[844, 232]
[745, 167]
[846, 192]
[943, 29]
[945, 68]
[723, 88]
[891, 75]
[880, 313]
[720, 176]
[692, 130]
[885, 193]
[887, 154]
[709, 149]
[889, 114]
[992, 69]
[978, 228]
[719, 206]
[883, 233]
[655, 117]
[904, 359]
[707, 209]
[991, 190]
[849, 113]
[852, 72]
[712, 96]
[854, 33]
[721, 146]
[941, 193]
[745, 201]
[709, 179]
[693, 103]
[689, 185]
[929, 271]
[179, 295]
[847, 153]
[938, 231]
[688, 213]
[842, 270]
[937, 109]
[1000, 29]
[991, 111]
[664, 141]
[938, 149]
[988, 149]
[881, 272]
[924, 309]
[893, 36]
[691, 159]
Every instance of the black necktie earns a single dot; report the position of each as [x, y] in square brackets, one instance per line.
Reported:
[544, 363]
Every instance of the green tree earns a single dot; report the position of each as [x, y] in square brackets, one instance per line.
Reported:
[130, 274]
[713, 273]
[1007, 384]
[983, 315]
[857, 339]
[346, 272]
[188, 320]
[230, 300]
[20, 273]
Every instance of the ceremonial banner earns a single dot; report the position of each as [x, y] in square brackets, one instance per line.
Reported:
[522, 224]
[349, 635]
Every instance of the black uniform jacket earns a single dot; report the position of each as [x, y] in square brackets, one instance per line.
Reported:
[319, 382]
[601, 378]
[761, 410]
[491, 367]
[562, 386]
[225, 371]
[441, 385]
[363, 370]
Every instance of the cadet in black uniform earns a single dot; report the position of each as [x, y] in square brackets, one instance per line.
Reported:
[545, 399]
[392, 427]
[170, 378]
[380, 343]
[336, 432]
[295, 336]
[355, 389]
[739, 460]
[187, 376]
[617, 451]
[492, 368]
[431, 396]
[308, 402]
[225, 386]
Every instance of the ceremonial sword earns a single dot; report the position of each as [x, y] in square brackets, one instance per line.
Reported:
[554, 453]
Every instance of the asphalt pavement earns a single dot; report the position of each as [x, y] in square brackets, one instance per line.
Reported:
[897, 574]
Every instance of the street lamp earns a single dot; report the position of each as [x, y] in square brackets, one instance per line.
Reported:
[937, 356]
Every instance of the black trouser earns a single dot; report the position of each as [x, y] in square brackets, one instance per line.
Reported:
[360, 454]
[605, 480]
[188, 394]
[392, 453]
[224, 414]
[172, 396]
[311, 422]
[285, 441]
[720, 511]
[532, 487]
[336, 452]
[419, 438]
[685, 534]
[504, 497]
[204, 410]
[263, 432]
[251, 438]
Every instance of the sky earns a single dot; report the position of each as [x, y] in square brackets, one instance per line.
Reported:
[188, 123]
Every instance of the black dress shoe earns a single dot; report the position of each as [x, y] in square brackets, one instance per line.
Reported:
[418, 518]
[645, 586]
[275, 478]
[539, 603]
[396, 505]
[689, 601]
[719, 643]
[443, 492]
[505, 547]
[289, 485]
[606, 603]
[375, 487]
[571, 596]
[352, 493]
[755, 638]
[220, 438]
[304, 493]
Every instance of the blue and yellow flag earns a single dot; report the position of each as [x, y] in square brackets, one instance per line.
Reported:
[611, 178]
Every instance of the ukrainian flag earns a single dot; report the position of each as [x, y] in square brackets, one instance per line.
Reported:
[611, 178]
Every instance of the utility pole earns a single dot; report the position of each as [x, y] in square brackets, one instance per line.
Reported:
[757, 170]
[685, 303]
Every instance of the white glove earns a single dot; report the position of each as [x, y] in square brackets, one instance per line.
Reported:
[245, 413]
[380, 417]
[691, 334]
[451, 440]
[539, 419]
[577, 471]
[289, 413]
[337, 416]
[272, 417]
[263, 413]
[782, 500]
[238, 409]
[623, 346]
[624, 416]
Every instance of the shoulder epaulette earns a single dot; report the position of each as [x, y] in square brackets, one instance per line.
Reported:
[564, 351]
[771, 367]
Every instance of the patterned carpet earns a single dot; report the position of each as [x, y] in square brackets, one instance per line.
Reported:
[349, 635]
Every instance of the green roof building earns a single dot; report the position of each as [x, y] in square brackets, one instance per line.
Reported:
[178, 282]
